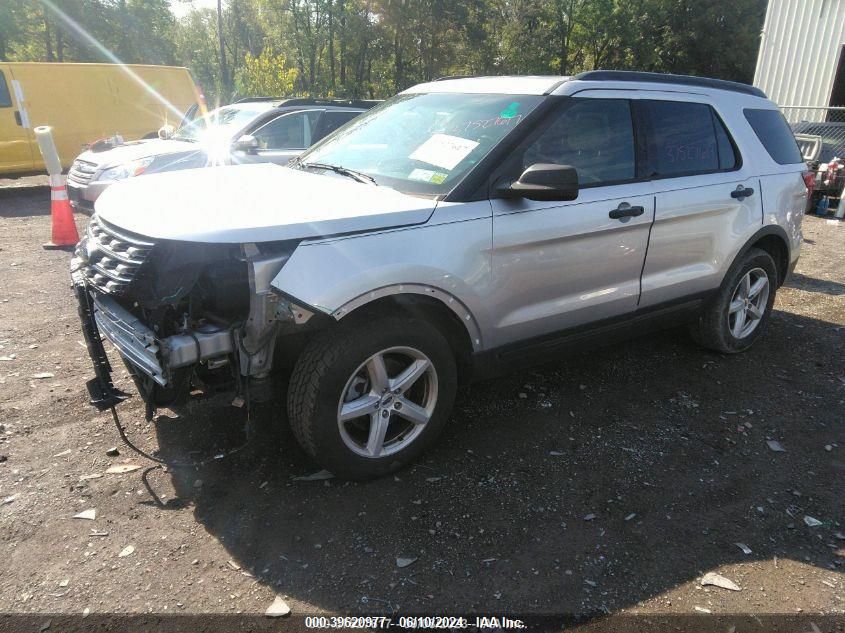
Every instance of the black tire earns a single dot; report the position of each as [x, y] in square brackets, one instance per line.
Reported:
[320, 377]
[712, 328]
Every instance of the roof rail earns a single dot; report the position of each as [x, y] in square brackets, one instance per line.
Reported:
[665, 78]
[349, 103]
[289, 101]
[448, 77]
[254, 99]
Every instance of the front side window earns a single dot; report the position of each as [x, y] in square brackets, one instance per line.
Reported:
[423, 143]
[219, 125]
[5, 97]
[682, 139]
[595, 136]
[290, 131]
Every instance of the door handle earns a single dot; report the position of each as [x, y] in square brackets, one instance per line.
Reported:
[625, 210]
[18, 118]
[741, 193]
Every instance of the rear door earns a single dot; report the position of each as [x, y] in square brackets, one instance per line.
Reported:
[16, 146]
[707, 202]
[557, 265]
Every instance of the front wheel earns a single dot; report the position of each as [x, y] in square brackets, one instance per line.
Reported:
[739, 313]
[366, 399]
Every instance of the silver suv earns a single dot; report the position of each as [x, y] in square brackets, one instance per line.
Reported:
[463, 228]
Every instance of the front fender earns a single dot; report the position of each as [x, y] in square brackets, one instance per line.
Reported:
[448, 262]
[449, 300]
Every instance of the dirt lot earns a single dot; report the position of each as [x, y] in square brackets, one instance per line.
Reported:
[611, 482]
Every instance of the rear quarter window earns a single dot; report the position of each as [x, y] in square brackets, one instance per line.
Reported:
[775, 135]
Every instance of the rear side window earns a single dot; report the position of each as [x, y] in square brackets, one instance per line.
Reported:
[727, 153]
[5, 97]
[686, 139]
[331, 121]
[774, 133]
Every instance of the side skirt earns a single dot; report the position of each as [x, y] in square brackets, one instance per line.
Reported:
[553, 347]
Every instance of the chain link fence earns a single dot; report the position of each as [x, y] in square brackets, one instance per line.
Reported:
[820, 132]
[814, 114]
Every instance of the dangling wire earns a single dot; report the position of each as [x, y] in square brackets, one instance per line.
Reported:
[243, 387]
[187, 464]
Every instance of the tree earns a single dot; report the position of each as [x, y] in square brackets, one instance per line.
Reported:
[195, 41]
[266, 75]
[564, 25]
[374, 48]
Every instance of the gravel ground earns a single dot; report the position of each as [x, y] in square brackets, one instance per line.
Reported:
[611, 482]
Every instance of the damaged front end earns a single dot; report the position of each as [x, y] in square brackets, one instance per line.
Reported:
[184, 316]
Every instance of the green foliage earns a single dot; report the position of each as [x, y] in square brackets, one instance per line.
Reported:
[266, 75]
[132, 30]
[374, 48]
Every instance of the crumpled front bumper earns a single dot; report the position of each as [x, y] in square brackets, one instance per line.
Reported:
[135, 341]
[138, 344]
[104, 395]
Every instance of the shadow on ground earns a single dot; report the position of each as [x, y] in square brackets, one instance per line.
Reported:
[663, 442]
[812, 284]
[18, 202]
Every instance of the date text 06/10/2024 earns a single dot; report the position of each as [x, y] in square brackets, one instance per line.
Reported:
[413, 622]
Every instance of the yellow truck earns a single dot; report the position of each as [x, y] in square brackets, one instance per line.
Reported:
[84, 103]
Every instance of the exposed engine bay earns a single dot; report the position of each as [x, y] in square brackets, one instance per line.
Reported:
[189, 316]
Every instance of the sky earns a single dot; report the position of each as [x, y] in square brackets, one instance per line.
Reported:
[181, 8]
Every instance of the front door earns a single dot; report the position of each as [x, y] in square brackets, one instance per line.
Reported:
[558, 265]
[15, 144]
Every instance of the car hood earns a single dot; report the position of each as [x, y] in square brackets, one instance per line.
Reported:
[133, 150]
[255, 203]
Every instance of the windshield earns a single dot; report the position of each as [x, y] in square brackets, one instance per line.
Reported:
[219, 124]
[423, 143]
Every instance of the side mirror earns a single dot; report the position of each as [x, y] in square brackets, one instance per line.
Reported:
[247, 144]
[165, 132]
[544, 181]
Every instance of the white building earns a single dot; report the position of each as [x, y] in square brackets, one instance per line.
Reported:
[801, 61]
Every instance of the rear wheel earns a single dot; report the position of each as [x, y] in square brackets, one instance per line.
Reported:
[739, 313]
[366, 399]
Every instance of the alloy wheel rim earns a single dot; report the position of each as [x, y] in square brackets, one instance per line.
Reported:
[748, 303]
[387, 402]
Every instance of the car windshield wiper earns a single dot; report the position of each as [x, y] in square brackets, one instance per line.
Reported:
[343, 171]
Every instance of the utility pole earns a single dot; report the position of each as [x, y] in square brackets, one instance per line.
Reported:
[225, 83]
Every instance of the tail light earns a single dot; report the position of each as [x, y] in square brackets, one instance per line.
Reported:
[809, 181]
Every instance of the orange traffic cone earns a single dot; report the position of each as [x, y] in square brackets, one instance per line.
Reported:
[64, 228]
[64, 233]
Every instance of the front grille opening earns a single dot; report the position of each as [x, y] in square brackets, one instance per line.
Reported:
[112, 256]
[81, 172]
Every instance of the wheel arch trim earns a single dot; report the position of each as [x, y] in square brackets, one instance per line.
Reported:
[448, 300]
[770, 229]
